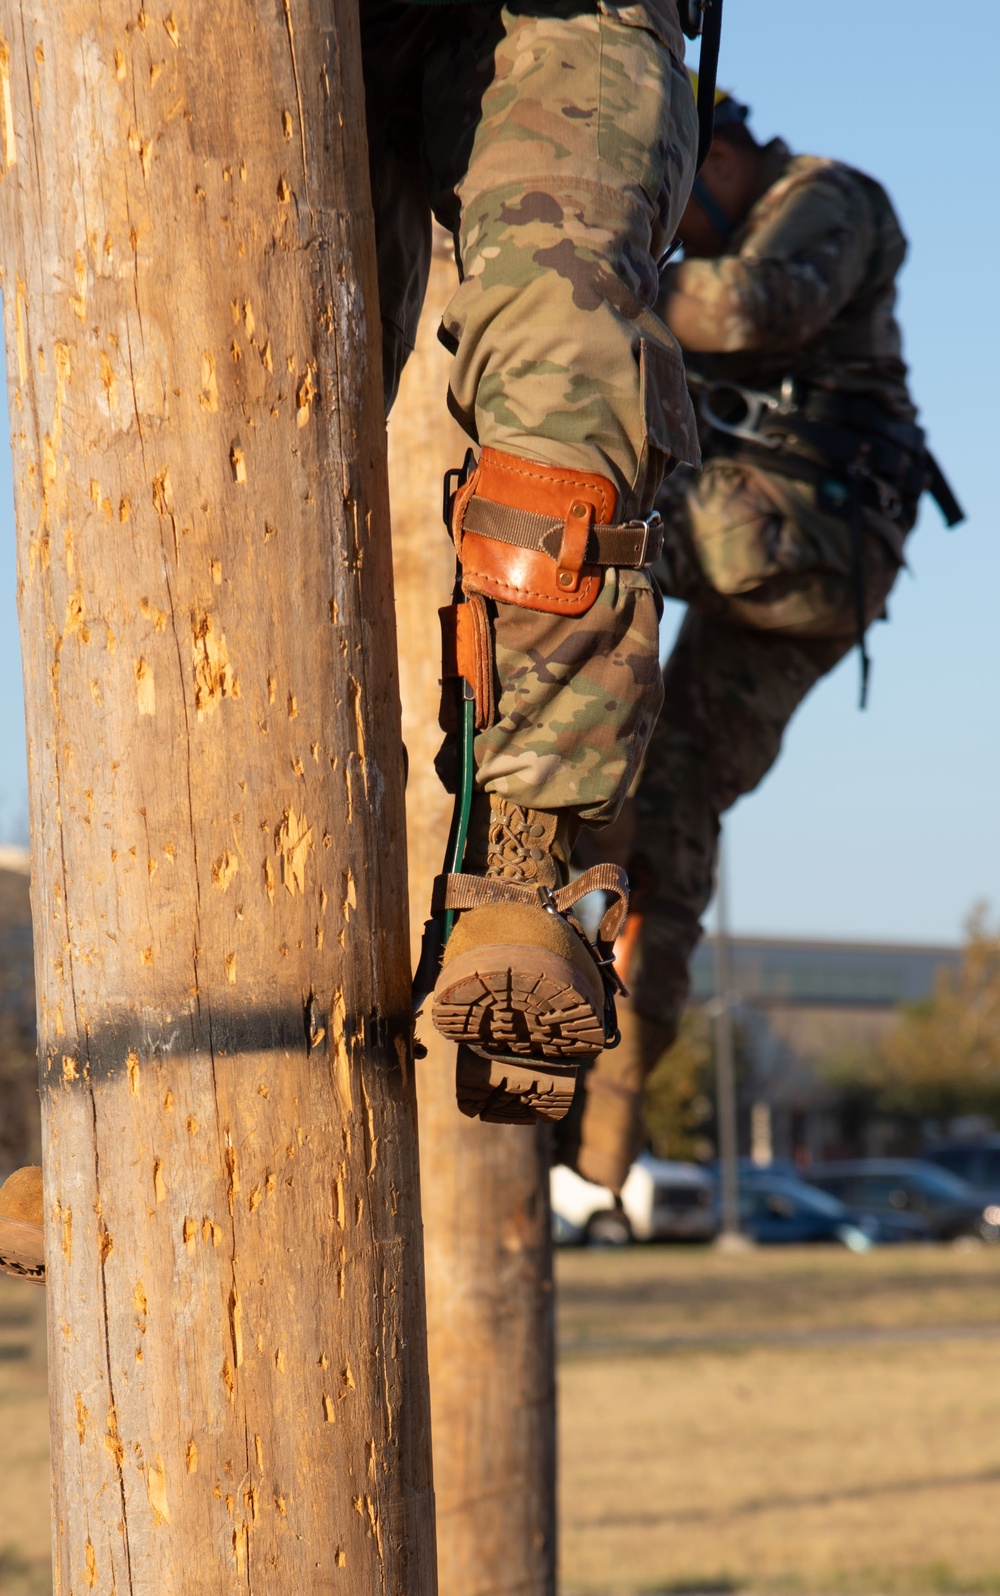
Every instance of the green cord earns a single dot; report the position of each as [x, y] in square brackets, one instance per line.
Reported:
[463, 805]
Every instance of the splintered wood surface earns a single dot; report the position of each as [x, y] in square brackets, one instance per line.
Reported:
[239, 1384]
[792, 1420]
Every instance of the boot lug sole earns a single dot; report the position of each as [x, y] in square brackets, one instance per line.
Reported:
[524, 1020]
[509, 1091]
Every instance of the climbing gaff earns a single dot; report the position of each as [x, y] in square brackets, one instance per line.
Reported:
[438, 928]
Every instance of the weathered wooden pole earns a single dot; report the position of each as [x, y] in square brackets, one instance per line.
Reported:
[485, 1187]
[239, 1396]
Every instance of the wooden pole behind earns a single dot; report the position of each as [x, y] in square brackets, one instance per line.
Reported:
[238, 1376]
[485, 1187]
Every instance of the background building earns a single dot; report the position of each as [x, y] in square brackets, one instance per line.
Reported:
[802, 1009]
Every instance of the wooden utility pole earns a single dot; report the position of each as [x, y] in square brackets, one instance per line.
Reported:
[485, 1187]
[235, 1281]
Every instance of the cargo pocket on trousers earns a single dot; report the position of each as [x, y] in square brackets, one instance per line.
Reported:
[670, 432]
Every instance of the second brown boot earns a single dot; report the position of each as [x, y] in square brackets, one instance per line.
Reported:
[520, 990]
[22, 1243]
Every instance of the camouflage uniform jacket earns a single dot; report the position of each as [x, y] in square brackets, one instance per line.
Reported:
[808, 289]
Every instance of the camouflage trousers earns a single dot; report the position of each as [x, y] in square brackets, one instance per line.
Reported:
[769, 581]
[555, 140]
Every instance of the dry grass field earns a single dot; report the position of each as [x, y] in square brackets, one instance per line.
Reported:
[782, 1421]
[24, 1442]
[786, 1421]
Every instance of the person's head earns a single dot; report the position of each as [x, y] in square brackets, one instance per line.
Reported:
[728, 185]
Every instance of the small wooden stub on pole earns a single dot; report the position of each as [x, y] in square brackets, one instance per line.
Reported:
[239, 1396]
[485, 1187]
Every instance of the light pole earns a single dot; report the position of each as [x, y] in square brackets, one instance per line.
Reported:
[725, 1085]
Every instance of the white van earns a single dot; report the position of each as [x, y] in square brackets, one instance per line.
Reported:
[661, 1201]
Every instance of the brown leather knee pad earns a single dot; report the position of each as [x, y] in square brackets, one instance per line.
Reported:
[541, 536]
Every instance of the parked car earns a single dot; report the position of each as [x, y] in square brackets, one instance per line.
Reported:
[661, 1201]
[972, 1158]
[778, 1207]
[947, 1206]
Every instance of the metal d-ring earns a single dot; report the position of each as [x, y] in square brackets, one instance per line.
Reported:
[758, 405]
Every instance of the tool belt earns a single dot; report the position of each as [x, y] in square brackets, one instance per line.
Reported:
[849, 448]
[813, 436]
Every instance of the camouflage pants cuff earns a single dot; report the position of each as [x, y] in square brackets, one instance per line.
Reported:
[658, 975]
[577, 701]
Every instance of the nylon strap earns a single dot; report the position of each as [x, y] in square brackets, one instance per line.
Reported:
[858, 583]
[942, 493]
[830, 424]
[708, 68]
[629, 545]
[477, 892]
[701, 192]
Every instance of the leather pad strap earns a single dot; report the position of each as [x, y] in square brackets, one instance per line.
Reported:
[524, 577]
[477, 892]
[631, 545]
[557, 581]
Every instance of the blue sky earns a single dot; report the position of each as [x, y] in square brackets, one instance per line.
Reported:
[882, 824]
[885, 824]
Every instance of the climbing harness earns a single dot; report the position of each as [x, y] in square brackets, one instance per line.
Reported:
[703, 18]
[848, 447]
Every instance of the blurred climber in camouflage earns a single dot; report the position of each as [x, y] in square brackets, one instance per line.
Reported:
[784, 548]
[555, 140]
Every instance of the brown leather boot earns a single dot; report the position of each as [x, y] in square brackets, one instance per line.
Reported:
[22, 1249]
[521, 989]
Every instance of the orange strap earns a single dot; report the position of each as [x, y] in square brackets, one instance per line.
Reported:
[467, 651]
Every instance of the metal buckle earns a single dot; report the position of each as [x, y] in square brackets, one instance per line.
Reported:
[758, 405]
[546, 899]
[693, 16]
[454, 478]
[889, 501]
[652, 524]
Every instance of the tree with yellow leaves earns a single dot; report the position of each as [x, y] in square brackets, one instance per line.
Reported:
[943, 1056]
